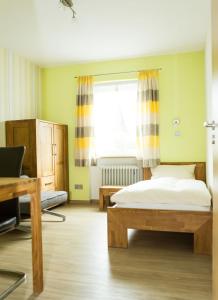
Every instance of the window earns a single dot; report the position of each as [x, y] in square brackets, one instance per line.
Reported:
[115, 118]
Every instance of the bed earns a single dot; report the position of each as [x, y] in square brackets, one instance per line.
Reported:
[161, 218]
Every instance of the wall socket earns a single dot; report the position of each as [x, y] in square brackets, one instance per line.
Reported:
[78, 186]
[177, 133]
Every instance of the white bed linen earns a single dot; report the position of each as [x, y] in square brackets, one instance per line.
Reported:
[165, 192]
[176, 171]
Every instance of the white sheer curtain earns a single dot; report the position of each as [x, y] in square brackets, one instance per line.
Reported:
[115, 118]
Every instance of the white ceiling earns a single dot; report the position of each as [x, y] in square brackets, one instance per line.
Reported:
[44, 31]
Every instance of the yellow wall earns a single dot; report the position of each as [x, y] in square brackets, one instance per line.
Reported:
[182, 95]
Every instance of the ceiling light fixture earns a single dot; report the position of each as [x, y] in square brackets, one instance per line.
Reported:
[69, 3]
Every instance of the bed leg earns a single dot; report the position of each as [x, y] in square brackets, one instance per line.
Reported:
[203, 239]
[117, 233]
[117, 237]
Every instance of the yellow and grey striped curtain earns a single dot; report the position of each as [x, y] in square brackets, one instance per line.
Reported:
[84, 131]
[148, 145]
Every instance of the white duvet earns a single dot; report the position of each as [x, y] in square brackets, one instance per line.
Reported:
[166, 190]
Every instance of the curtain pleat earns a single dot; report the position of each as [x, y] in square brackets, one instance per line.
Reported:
[148, 144]
[84, 131]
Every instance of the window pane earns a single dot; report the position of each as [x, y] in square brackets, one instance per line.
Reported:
[115, 118]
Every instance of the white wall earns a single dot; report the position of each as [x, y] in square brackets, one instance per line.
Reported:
[19, 89]
[208, 78]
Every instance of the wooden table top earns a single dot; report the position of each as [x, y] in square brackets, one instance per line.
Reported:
[12, 187]
[7, 181]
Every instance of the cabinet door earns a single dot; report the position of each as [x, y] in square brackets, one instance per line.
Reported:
[23, 133]
[60, 152]
[45, 157]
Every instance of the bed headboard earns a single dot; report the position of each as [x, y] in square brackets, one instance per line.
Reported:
[200, 169]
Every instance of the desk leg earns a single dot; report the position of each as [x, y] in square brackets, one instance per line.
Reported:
[36, 241]
[101, 200]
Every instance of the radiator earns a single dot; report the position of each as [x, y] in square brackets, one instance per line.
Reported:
[119, 175]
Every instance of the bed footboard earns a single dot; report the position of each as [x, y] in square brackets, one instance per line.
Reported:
[198, 223]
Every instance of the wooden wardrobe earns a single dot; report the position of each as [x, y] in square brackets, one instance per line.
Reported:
[46, 150]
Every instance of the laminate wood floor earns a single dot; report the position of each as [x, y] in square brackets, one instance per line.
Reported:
[79, 266]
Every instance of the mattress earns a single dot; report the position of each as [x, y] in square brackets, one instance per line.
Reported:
[165, 206]
[165, 193]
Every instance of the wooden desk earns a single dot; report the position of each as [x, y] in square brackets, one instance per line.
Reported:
[13, 187]
[107, 190]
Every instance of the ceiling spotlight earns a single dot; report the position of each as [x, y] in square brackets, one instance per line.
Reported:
[69, 4]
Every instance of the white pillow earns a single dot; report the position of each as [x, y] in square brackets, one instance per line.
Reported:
[176, 171]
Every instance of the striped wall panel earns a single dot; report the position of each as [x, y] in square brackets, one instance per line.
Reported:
[20, 89]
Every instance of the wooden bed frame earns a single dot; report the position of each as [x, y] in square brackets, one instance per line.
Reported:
[197, 222]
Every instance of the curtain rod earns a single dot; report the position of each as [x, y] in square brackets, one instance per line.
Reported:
[135, 71]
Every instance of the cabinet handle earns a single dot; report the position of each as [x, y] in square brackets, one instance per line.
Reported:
[54, 149]
[48, 183]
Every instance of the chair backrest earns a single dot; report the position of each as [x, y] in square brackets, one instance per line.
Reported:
[11, 159]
